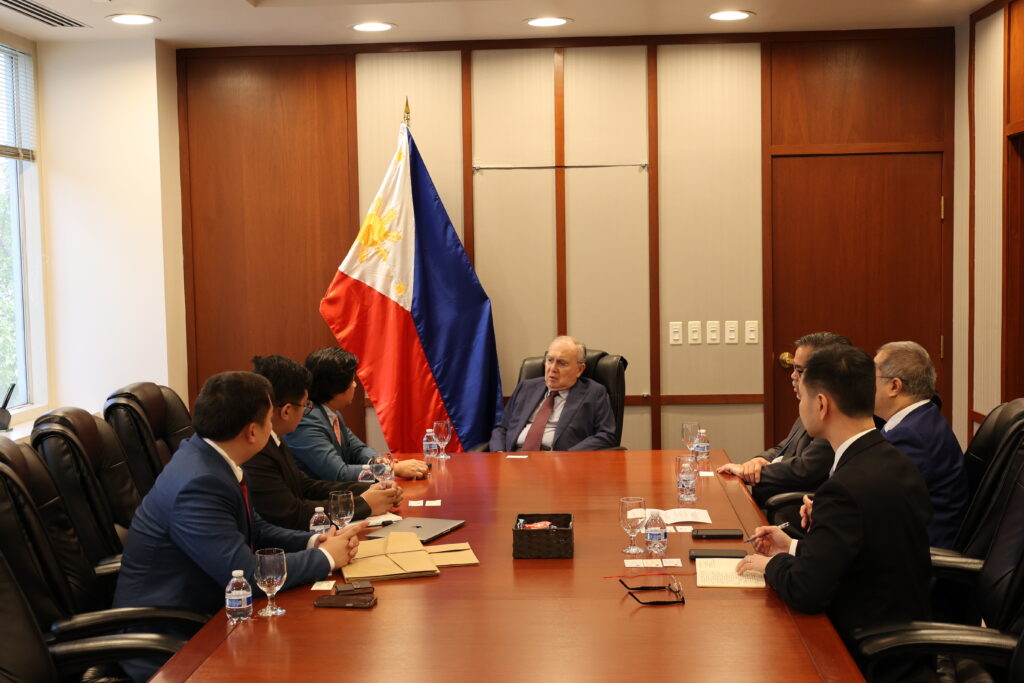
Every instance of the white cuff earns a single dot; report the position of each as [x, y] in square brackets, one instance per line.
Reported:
[792, 546]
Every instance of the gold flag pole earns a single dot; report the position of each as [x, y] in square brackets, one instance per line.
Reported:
[406, 118]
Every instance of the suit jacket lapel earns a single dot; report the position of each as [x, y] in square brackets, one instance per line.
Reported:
[326, 419]
[531, 399]
[872, 438]
[572, 404]
[224, 470]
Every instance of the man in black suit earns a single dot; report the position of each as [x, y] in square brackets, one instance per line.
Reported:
[280, 492]
[801, 462]
[865, 558]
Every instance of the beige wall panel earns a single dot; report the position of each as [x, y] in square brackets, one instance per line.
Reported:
[961, 228]
[709, 114]
[433, 83]
[606, 208]
[739, 429]
[988, 217]
[636, 427]
[513, 124]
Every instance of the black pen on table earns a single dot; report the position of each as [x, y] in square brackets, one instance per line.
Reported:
[781, 526]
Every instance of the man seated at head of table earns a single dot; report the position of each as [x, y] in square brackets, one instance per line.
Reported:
[909, 417]
[561, 411]
[865, 558]
[281, 493]
[196, 525]
[800, 462]
[323, 446]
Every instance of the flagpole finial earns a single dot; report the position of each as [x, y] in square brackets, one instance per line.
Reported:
[406, 118]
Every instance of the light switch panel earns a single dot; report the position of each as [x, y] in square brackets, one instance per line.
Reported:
[752, 333]
[732, 331]
[675, 333]
[693, 332]
[713, 335]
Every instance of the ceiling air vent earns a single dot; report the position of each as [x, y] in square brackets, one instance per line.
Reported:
[40, 13]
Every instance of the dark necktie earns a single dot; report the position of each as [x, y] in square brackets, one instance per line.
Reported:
[248, 514]
[540, 421]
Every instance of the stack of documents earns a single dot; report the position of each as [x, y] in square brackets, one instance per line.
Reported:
[719, 572]
[397, 556]
[675, 515]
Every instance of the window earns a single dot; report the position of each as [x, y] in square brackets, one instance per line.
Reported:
[17, 157]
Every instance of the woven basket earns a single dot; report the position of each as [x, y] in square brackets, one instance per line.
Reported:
[543, 544]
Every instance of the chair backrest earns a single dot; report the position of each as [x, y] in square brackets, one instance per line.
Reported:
[986, 506]
[91, 471]
[983, 448]
[608, 369]
[28, 659]
[151, 421]
[1000, 586]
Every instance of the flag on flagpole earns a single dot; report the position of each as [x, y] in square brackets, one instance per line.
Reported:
[407, 302]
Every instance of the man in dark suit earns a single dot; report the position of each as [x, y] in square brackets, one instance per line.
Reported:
[560, 411]
[196, 525]
[800, 462]
[281, 493]
[865, 559]
[904, 389]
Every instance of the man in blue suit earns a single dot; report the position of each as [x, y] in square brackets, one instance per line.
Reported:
[196, 524]
[904, 387]
[559, 412]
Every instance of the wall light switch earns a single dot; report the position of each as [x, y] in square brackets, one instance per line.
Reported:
[713, 332]
[675, 333]
[732, 331]
[693, 332]
[752, 334]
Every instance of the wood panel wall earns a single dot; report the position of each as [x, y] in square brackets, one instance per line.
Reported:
[1012, 375]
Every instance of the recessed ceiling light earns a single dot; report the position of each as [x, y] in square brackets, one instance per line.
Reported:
[374, 26]
[548, 22]
[731, 15]
[133, 19]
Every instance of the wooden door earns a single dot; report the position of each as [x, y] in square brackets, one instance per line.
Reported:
[269, 204]
[856, 249]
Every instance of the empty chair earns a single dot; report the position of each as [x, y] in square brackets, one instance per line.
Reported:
[1004, 420]
[151, 421]
[91, 472]
[607, 369]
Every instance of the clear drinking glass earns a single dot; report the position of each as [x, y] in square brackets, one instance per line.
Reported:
[341, 508]
[383, 469]
[443, 434]
[686, 477]
[632, 522]
[270, 575]
[690, 430]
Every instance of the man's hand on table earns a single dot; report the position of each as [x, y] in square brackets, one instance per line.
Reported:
[411, 469]
[771, 540]
[753, 563]
[749, 471]
[341, 545]
[382, 499]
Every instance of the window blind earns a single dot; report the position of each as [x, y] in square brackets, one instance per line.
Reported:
[17, 105]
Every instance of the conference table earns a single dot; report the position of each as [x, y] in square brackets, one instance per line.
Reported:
[537, 619]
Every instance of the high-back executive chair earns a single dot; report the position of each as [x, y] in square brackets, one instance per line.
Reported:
[91, 472]
[607, 369]
[151, 421]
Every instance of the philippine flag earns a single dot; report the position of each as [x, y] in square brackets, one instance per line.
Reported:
[407, 302]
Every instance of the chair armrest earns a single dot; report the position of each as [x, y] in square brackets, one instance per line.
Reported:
[108, 566]
[948, 564]
[784, 500]
[76, 655]
[974, 642]
[105, 621]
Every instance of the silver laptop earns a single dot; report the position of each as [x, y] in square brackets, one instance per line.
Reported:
[426, 528]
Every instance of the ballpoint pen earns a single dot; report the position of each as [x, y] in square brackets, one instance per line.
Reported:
[781, 526]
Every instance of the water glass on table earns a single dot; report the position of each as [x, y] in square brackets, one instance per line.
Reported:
[382, 466]
[632, 524]
[271, 572]
[686, 477]
[443, 434]
[341, 508]
[690, 431]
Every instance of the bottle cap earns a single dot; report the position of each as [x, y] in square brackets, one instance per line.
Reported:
[318, 509]
[237, 572]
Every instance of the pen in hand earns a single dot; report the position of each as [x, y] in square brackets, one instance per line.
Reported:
[751, 539]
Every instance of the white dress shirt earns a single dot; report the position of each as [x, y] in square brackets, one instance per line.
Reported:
[900, 414]
[549, 428]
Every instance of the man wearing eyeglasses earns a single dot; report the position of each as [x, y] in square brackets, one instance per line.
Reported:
[561, 411]
[909, 418]
[281, 493]
[800, 462]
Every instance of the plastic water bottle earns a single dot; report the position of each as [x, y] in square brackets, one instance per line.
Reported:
[702, 448]
[238, 597]
[431, 448]
[656, 533]
[319, 523]
[686, 482]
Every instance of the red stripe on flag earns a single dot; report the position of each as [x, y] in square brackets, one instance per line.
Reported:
[392, 365]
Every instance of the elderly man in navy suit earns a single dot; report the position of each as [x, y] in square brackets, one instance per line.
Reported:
[196, 524]
[561, 411]
[904, 387]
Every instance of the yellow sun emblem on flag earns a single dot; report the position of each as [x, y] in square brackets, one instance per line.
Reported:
[374, 233]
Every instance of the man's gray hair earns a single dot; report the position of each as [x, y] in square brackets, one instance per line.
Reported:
[581, 348]
[910, 362]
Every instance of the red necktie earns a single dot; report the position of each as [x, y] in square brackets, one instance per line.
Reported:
[336, 423]
[540, 421]
[248, 513]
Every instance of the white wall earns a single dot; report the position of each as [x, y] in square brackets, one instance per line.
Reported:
[111, 218]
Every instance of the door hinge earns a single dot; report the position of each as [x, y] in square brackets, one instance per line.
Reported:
[942, 208]
[942, 347]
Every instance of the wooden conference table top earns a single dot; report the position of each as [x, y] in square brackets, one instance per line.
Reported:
[536, 620]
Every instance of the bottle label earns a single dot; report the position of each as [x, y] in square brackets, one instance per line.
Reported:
[235, 600]
[656, 535]
[320, 528]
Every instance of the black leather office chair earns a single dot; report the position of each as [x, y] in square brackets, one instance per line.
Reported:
[151, 421]
[60, 586]
[28, 659]
[608, 369]
[91, 472]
